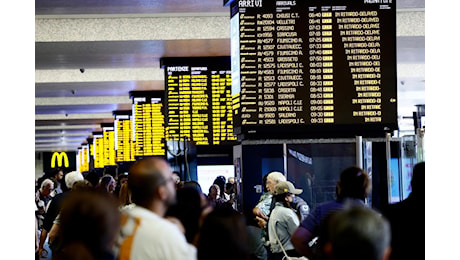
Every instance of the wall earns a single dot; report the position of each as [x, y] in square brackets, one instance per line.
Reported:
[38, 164]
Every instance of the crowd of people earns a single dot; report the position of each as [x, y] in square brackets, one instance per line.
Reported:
[149, 213]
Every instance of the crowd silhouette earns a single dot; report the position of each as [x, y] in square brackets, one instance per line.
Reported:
[148, 213]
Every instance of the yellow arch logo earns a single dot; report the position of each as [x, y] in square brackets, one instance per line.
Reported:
[59, 157]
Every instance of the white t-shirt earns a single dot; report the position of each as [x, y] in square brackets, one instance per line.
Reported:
[144, 235]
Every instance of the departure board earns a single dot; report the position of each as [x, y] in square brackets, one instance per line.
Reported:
[198, 100]
[148, 123]
[83, 162]
[98, 149]
[79, 159]
[90, 143]
[84, 158]
[324, 67]
[108, 134]
[124, 145]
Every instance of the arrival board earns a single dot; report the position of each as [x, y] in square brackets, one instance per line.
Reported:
[324, 67]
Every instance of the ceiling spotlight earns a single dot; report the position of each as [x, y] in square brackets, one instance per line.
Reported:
[73, 91]
[82, 70]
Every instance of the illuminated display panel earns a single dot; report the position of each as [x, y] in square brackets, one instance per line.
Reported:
[83, 158]
[98, 149]
[148, 123]
[108, 134]
[79, 159]
[124, 145]
[314, 67]
[198, 100]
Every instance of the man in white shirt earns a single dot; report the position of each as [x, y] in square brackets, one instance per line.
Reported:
[145, 233]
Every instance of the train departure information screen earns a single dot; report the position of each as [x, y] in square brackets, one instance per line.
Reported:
[98, 149]
[148, 129]
[124, 145]
[198, 100]
[84, 158]
[108, 134]
[314, 66]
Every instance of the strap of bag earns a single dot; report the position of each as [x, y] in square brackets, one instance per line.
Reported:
[279, 242]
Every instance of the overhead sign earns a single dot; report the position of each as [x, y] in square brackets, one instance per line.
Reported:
[98, 152]
[109, 144]
[323, 67]
[59, 159]
[124, 144]
[198, 100]
[148, 123]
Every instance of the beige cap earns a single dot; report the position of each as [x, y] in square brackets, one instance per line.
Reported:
[286, 187]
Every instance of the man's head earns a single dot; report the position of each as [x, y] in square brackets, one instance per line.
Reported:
[72, 177]
[354, 183]
[122, 178]
[358, 233]
[274, 178]
[284, 191]
[47, 187]
[150, 181]
[58, 174]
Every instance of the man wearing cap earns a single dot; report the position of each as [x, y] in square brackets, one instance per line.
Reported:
[283, 220]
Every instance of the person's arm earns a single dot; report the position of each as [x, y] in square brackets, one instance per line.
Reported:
[54, 229]
[43, 236]
[259, 213]
[301, 239]
[53, 233]
[261, 218]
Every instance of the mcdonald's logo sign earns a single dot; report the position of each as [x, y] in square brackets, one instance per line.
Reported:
[59, 157]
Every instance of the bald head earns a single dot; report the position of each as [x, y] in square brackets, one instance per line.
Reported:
[146, 177]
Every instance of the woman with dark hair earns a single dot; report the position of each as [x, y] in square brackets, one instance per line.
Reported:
[89, 223]
[223, 236]
[188, 210]
[220, 181]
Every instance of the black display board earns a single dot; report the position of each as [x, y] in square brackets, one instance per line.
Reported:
[148, 121]
[108, 134]
[198, 100]
[83, 157]
[124, 145]
[314, 68]
[98, 150]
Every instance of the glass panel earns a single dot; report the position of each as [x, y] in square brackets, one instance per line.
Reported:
[316, 168]
[408, 160]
